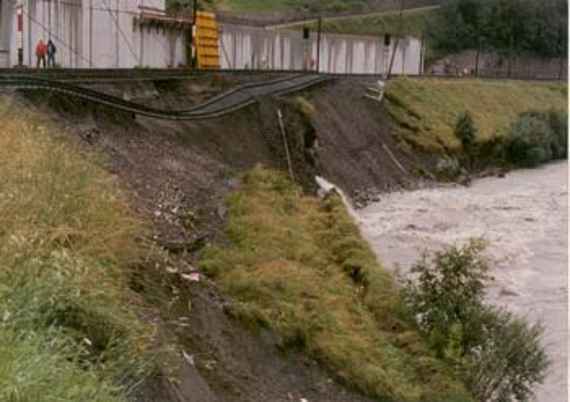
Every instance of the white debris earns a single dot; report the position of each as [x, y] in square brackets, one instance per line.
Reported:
[193, 277]
[189, 358]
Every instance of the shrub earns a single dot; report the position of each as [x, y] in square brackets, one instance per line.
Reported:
[448, 168]
[466, 131]
[509, 361]
[558, 121]
[498, 356]
[446, 291]
[538, 137]
[530, 141]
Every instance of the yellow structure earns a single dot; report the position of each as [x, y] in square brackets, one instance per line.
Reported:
[207, 41]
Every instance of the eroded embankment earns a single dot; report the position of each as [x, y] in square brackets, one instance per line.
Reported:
[177, 175]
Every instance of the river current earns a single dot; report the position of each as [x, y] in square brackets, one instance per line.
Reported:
[523, 216]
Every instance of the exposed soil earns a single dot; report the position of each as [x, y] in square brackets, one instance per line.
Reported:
[177, 175]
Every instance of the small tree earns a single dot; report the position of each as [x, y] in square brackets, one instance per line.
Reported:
[447, 293]
[466, 131]
[531, 140]
[498, 356]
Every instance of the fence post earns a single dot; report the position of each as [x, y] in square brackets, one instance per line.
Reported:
[477, 57]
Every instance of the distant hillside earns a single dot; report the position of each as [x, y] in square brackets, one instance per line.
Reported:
[280, 10]
[315, 6]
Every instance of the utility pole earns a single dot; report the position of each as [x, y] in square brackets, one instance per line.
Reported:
[91, 33]
[401, 29]
[477, 56]
[193, 34]
[20, 36]
[319, 44]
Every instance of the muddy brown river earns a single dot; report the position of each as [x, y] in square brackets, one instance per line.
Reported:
[525, 219]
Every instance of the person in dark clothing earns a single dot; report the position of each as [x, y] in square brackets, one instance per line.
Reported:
[51, 51]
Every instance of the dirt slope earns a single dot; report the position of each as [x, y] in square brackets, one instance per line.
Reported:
[177, 175]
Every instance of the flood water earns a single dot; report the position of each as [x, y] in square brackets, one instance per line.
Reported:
[525, 219]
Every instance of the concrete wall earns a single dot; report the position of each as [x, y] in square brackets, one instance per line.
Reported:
[257, 48]
[6, 21]
[94, 33]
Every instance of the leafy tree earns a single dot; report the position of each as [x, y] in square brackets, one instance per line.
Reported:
[498, 356]
[504, 25]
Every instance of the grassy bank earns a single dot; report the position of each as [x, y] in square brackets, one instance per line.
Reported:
[425, 111]
[68, 331]
[299, 266]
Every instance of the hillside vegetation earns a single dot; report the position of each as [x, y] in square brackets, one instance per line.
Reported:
[414, 23]
[298, 265]
[298, 7]
[426, 111]
[68, 328]
[507, 26]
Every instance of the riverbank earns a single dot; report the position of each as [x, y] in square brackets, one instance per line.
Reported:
[175, 177]
[523, 216]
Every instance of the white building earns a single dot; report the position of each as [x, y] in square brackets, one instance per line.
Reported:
[244, 47]
[94, 33]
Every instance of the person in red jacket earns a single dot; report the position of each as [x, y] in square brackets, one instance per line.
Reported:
[41, 50]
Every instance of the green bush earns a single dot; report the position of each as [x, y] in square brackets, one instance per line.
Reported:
[558, 121]
[498, 356]
[466, 131]
[532, 141]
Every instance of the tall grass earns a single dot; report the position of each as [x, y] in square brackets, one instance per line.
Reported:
[68, 331]
[300, 267]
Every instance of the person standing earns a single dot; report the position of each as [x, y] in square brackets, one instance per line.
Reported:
[51, 51]
[41, 50]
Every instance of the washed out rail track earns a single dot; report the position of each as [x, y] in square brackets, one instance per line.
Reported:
[221, 105]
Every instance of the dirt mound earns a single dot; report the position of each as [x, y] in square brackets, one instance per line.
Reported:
[177, 175]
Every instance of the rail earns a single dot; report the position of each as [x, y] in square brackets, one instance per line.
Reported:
[231, 101]
[95, 75]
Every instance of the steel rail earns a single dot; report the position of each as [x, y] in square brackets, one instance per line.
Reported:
[85, 75]
[231, 101]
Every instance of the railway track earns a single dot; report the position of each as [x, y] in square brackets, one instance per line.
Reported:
[228, 102]
[86, 76]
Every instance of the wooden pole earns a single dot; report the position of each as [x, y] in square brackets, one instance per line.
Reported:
[285, 143]
[91, 33]
[319, 44]
[477, 57]
[193, 34]
[397, 40]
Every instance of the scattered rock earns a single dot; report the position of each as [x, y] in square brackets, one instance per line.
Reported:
[507, 292]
